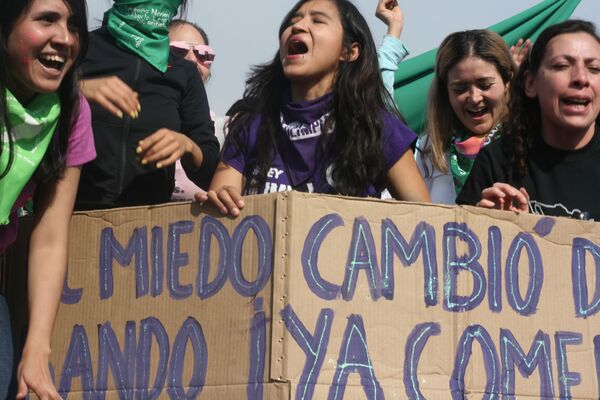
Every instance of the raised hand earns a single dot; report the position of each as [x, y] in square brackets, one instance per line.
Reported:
[391, 14]
[520, 51]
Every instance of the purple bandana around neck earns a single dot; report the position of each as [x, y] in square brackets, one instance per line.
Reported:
[302, 125]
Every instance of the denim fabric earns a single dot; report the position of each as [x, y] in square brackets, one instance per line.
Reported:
[6, 349]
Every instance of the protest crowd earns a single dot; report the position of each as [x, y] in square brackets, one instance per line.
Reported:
[119, 117]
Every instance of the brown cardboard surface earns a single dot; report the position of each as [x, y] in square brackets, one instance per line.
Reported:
[367, 341]
[225, 319]
[389, 322]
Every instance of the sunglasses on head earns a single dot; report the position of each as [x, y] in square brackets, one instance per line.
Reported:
[203, 53]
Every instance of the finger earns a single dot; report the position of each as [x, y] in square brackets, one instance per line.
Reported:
[521, 201]
[170, 160]
[214, 199]
[228, 202]
[237, 199]
[109, 106]
[526, 194]
[125, 102]
[163, 153]
[153, 151]
[494, 198]
[516, 48]
[201, 197]
[492, 192]
[486, 203]
[506, 188]
[126, 94]
[514, 200]
[23, 389]
[149, 141]
[515, 195]
[54, 394]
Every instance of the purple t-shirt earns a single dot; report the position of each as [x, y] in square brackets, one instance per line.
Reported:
[303, 124]
[79, 151]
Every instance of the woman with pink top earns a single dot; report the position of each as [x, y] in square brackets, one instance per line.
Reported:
[45, 139]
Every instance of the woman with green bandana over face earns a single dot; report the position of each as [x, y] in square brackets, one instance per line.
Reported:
[149, 109]
[45, 137]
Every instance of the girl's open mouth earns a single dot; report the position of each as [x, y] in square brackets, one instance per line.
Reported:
[297, 47]
[478, 113]
[52, 62]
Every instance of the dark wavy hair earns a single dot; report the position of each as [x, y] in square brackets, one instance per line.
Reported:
[53, 164]
[525, 122]
[359, 98]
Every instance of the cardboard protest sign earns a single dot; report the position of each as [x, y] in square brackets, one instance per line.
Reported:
[313, 297]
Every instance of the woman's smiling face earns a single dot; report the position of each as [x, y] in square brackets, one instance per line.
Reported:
[41, 48]
[477, 94]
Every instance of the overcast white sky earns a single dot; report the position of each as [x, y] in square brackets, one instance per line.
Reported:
[244, 32]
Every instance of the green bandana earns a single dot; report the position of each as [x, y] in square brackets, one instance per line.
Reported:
[142, 26]
[464, 148]
[32, 131]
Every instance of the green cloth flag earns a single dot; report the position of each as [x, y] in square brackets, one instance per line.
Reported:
[414, 76]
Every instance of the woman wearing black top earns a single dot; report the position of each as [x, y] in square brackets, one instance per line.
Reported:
[129, 67]
[547, 162]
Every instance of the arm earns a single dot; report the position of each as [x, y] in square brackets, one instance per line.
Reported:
[197, 125]
[405, 181]
[225, 190]
[392, 51]
[423, 161]
[47, 266]
[196, 144]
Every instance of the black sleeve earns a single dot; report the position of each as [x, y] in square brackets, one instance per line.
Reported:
[481, 177]
[197, 124]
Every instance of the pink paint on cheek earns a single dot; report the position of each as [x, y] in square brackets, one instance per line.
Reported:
[31, 40]
[25, 58]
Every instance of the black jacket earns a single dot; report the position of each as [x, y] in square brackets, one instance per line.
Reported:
[175, 100]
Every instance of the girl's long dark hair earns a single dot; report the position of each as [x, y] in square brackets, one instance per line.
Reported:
[359, 98]
[525, 122]
[53, 165]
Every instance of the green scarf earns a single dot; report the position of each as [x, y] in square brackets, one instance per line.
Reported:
[464, 148]
[142, 26]
[32, 131]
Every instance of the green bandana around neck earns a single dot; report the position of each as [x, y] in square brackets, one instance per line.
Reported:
[32, 129]
[142, 26]
[463, 153]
